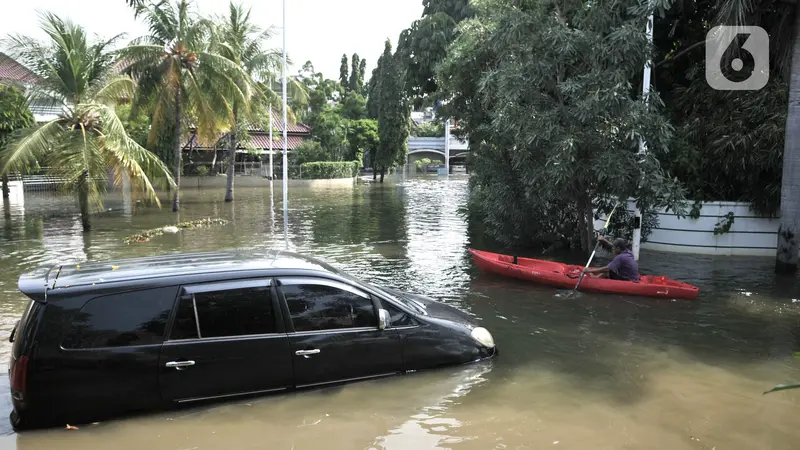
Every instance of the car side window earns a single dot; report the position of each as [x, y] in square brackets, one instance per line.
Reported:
[319, 306]
[225, 313]
[399, 318]
[121, 320]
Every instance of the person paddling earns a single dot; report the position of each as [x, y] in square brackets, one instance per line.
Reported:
[623, 267]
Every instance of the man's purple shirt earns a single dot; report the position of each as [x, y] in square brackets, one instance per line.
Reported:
[625, 266]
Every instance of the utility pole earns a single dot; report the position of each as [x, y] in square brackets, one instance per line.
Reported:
[637, 226]
[271, 173]
[285, 127]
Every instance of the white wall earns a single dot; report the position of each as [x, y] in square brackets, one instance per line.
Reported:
[750, 234]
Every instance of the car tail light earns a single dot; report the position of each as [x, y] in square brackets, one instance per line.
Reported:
[19, 377]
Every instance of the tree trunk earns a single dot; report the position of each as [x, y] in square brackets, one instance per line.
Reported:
[786, 259]
[582, 226]
[232, 159]
[5, 186]
[383, 171]
[374, 174]
[83, 201]
[589, 212]
[176, 199]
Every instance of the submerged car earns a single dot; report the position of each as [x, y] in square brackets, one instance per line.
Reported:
[101, 339]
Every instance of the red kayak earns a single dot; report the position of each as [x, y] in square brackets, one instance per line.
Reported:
[566, 276]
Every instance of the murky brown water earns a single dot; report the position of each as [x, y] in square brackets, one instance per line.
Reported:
[592, 372]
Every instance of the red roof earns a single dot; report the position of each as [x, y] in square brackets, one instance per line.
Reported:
[259, 140]
[15, 72]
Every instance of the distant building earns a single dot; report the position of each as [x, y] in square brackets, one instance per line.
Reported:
[256, 149]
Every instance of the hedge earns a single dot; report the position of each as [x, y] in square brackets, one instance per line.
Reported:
[328, 169]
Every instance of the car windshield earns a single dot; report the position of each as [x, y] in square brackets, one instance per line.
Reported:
[398, 298]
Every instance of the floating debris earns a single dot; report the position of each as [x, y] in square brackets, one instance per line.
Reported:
[145, 236]
[70, 427]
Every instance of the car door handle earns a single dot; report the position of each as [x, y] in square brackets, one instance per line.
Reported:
[180, 365]
[305, 353]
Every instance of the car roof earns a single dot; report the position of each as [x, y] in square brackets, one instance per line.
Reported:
[37, 282]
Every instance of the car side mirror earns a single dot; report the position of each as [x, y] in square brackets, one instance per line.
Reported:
[384, 319]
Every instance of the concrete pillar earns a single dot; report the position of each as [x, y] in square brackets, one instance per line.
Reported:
[447, 146]
[637, 226]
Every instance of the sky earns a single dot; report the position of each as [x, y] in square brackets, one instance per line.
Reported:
[316, 30]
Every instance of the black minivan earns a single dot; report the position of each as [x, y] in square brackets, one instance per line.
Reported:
[102, 339]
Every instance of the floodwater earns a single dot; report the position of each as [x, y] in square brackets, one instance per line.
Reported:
[589, 372]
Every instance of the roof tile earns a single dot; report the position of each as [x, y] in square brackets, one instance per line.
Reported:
[11, 70]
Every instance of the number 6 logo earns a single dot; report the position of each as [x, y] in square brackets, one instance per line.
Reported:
[744, 70]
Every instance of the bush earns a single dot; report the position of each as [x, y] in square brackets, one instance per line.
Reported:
[202, 171]
[309, 151]
[328, 169]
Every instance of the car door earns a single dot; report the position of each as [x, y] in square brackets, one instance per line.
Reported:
[334, 333]
[226, 339]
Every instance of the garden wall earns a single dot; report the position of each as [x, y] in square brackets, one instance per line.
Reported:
[749, 235]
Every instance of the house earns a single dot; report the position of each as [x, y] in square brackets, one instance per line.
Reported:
[250, 153]
[15, 74]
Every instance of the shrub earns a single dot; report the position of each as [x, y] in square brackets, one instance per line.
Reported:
[329, 169]
[202, 171]
[309, 151]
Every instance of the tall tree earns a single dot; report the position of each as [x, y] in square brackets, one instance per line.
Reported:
[362, 73]
[354, 106]
[243, 43]
[788, 249]
[14, 115]
[343, 77]
[182, 76]
[355, 83]
[424, 44]
[545, 95]
[87, 140]
[373, 90]
[394, 112]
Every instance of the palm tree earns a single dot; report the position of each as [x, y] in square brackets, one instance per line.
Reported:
[182, 77]
[87, 141]
[242, 42]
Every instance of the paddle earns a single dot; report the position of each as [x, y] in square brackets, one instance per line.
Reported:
[605, 227]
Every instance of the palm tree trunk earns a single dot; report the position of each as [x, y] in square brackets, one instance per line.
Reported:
[232, 158]
[786, 259]
[383, 170]
[83, 201]
[176, 199]
[5, 186]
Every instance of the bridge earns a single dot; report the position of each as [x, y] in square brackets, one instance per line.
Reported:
[435, 149]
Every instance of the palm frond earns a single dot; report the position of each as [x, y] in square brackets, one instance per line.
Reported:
[210, 121]
[30, 146]
[128, 157]
[117, 89]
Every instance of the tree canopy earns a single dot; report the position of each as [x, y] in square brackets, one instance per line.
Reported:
[544, 93]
